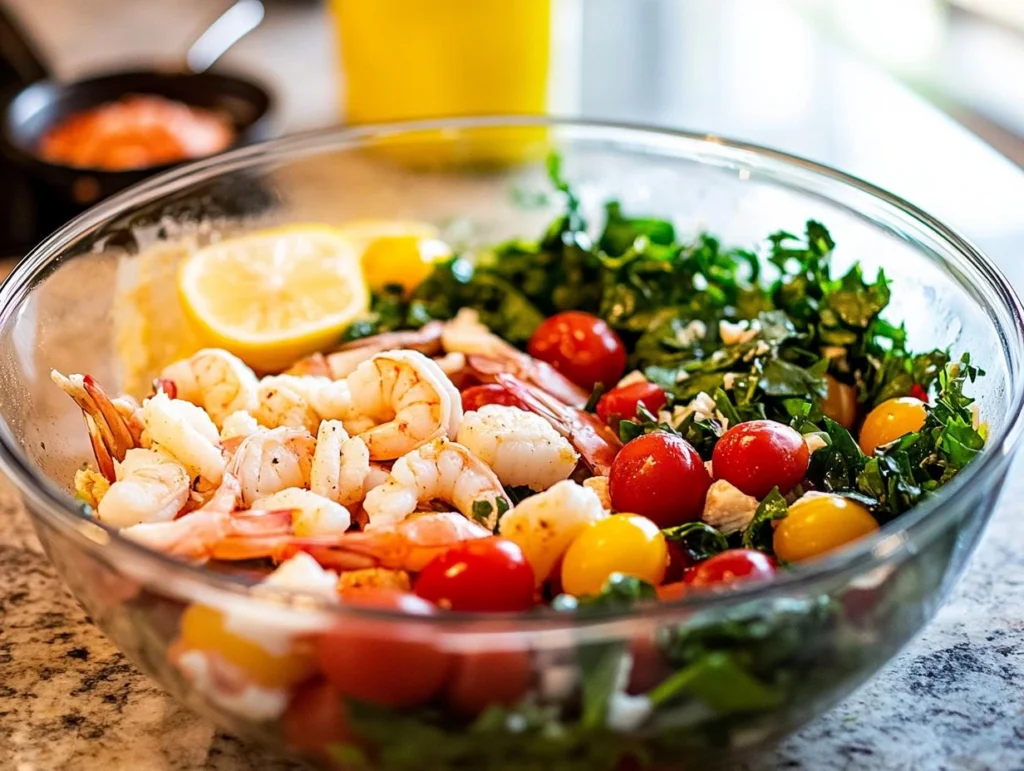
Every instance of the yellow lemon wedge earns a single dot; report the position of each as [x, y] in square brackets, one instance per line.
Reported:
[274, 296]
[397, 252]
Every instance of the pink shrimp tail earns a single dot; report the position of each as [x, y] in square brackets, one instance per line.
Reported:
[537, 373]
[596, 442]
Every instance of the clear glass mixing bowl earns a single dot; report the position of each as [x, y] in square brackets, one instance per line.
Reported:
[754, 663]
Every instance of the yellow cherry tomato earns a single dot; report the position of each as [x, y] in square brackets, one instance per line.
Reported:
[840, 402]
[622, 543]
[890, 420]
[203, 629]
[405, 260]
[817, 524]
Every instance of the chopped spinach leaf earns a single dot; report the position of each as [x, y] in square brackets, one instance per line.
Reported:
[758, 532]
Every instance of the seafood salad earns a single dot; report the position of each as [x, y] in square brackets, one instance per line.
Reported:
[578, 424]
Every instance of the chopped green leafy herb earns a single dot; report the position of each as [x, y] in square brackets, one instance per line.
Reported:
[758, 532]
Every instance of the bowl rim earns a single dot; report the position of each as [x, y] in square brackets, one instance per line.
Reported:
[52, 504]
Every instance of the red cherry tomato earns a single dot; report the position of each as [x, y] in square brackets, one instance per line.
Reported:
[759, 455]
[377, 661]
[659, 476]
[481, 575]
[488, 678]
[621, 403]
[732, 565]
[678, 561]
[919, 393]
[475, 397]
[315, 719]
[580, 346]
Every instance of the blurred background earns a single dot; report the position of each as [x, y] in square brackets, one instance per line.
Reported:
[920, 96]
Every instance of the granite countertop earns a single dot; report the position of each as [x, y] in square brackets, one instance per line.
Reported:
[952, 700]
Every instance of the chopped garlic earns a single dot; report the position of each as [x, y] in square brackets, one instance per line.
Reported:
[692, 332]
[814, 442]
[634, 377]
[727, 508]
[740, 332]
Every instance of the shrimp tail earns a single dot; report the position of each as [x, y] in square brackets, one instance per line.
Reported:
[596, 443]
[110, 433]
[534, 372]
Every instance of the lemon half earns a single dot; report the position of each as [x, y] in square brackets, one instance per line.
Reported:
[274, 296]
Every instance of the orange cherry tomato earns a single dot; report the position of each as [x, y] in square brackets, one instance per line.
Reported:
[890, 420]
[673, 591]
[369, 660]
[840, 402]
[488, 678]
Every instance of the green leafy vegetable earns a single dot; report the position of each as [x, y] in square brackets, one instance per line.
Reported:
[620, 592]
[758, 532]
[698, 539]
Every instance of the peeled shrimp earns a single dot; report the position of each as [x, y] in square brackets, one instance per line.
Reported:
[215, 380]
[400, 400]
[341, 465]
[409, 545]
[301, 401]
[238, 425]
[186, 433]
[271, 460]
[151, 486]
[545, 524]
[440, 470]
[114, 425]
[312, 514]
[521, 447]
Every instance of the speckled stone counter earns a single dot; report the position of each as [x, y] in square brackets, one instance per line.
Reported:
[952, 700]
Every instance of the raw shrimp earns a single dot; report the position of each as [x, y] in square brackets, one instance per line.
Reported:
[271, 460]
[114, 425]
[341, 465]
[215, 380]
[301, 401]
[521, 447]
[400, 400]
[151, 486]
[440, 470]
[595, 441]
[186, 433]
[342, 362]
[313, 515]
[409, 545]
[545, 524]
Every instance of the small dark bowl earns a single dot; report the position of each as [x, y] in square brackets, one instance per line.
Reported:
[36, 108]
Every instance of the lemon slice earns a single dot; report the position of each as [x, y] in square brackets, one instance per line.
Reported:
[273, 296]
[398, 252]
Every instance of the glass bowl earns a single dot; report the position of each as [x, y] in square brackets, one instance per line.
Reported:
[548, 690]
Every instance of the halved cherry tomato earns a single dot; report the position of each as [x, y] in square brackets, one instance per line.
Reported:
[475, 397]
[730, 566]
[622, 543]
[659, 476]
[758, 455]
[488, 678]
[840, 402]
[375, 661]
[890, 420]
[580, 346]
[484, 575]
[315, 719]
[819, 524]
[621, 403]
